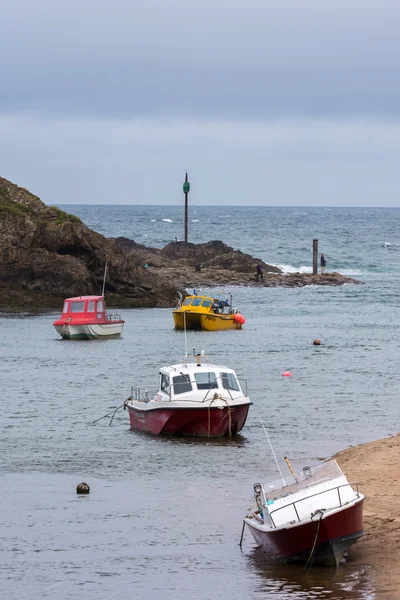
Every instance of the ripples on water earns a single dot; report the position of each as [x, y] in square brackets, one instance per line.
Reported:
[164, 515]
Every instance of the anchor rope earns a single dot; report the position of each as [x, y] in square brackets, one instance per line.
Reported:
[219, 397]
[112, 412]
[310, 560]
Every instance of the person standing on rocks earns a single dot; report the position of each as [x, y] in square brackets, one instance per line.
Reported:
[259, 272]
[323, 263]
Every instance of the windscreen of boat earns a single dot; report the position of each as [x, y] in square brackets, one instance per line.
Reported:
[77, 307]
[90, 307]
[310, 476]
[206, 381]
[196, 302]
[100, 306]
[206, 303]
[164, 383]
[187, 301]
[181, 384]
[229, 382]
[65, 307]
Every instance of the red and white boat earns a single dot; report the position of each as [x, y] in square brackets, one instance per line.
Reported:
[313, 519]
[194, 399]
[85, 318]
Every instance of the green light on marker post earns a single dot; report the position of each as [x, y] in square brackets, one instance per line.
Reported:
[186, 187]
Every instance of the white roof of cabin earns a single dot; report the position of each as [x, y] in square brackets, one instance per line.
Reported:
[193, 368]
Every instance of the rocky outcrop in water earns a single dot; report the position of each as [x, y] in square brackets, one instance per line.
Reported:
[219, 265]
[47, 255]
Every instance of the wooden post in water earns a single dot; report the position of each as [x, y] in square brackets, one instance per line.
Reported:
[186, 190]
[315, 257]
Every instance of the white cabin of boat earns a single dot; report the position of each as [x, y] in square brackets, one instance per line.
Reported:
[195, 382]
[323, 487]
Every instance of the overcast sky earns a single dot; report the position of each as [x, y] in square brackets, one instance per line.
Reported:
[270, 102]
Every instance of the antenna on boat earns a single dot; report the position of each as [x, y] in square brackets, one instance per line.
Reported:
[104, 279]
[273, 453]
[184, 327]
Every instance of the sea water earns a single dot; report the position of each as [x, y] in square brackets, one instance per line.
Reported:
[164, 515]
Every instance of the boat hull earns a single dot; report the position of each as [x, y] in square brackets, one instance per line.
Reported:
[334, 534]
[206, 322]
[199, 422]
[90, 331]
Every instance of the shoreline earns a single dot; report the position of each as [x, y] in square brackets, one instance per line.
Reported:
[375, 467]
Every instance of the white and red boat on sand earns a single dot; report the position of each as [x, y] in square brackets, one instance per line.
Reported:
[194, 399]
[85, 318]
[313, 519]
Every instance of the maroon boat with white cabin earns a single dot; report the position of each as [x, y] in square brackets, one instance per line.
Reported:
[314, 518]
[193, 399]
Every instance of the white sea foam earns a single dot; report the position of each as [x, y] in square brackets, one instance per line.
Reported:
[167, 220]
[389, 244]
[290, 269]
[153, 220]
[195, 220]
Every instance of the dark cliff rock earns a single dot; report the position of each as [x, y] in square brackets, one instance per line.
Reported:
[47, 254]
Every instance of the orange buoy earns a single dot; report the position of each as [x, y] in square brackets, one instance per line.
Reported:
[286, 374]
[317, 342]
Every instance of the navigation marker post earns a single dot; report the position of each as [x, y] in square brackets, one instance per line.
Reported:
[315, 257]
[186, 190]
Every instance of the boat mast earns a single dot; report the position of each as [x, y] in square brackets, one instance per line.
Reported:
[104, 279]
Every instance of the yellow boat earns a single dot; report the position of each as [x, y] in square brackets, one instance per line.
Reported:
[204, 312]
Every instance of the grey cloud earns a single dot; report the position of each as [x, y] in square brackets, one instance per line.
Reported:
[211, 58]
[288, 162]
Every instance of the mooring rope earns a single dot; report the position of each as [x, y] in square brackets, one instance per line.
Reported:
[310, 560]
[219, 397]
[112, 412]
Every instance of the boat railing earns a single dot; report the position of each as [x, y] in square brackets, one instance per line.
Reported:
[113, 317]
[296, 502]
[143, 394]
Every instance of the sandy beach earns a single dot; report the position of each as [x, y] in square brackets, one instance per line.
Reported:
[375, 467]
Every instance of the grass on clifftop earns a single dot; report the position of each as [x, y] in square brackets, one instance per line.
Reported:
[63, 217]
[10, 207]
[7, 206]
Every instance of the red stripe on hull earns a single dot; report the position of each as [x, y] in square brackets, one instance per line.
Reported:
[203, 422]
[336, 533]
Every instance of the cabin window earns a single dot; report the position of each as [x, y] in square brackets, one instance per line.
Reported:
[181, 384]
[196, 302]
[206, 381]
[90, 307]
[65, 307]
[230, 382]
[77, 307]
[100, 306]
[164, 385]
[187, 301]
[206, 303]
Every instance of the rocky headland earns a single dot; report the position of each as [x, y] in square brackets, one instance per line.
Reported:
[47, 255]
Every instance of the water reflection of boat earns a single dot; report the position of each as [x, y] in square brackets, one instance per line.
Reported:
[314, 519]
[290, 581]
[204, 312]
[194, 399]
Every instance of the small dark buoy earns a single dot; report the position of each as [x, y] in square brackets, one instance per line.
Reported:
[82, 488]
[317, 342]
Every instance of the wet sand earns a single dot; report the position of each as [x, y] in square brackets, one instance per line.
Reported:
[376, 468]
